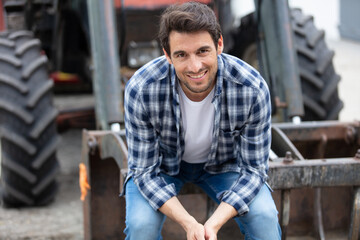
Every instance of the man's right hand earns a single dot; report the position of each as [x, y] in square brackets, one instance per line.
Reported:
[195, 232]
[175, 210]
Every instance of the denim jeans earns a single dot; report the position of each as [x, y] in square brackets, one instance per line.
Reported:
[143, 222]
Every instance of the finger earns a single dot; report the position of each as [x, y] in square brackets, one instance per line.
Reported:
[211, 238]
[200, 235]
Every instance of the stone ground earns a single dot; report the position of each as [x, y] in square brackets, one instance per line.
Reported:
[63, 218]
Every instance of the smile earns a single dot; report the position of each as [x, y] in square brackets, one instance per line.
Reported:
[198, 76]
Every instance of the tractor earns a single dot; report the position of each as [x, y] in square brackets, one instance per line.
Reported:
[49, 47]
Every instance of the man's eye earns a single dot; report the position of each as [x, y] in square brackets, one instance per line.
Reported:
[180, 55]
[202, 51]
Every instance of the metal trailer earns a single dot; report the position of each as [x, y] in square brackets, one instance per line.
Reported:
[314, 165]
[314, 176]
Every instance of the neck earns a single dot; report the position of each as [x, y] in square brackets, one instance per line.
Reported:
[196, 96]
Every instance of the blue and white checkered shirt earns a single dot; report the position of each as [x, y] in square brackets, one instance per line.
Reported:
[241, 136]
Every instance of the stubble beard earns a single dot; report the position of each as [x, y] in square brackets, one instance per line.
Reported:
[199, 90]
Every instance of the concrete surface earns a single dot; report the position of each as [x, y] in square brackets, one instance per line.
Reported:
[347, 64]
[63, 218]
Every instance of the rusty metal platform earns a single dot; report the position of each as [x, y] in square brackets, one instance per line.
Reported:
[313, 169]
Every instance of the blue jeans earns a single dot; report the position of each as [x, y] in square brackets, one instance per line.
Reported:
[143, 222]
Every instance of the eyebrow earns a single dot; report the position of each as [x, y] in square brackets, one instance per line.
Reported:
[178, 52]
[182, 51]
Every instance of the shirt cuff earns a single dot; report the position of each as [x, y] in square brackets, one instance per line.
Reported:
[161, 196]
[236, 201]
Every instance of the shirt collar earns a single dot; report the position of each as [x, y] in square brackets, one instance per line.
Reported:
[219, 76]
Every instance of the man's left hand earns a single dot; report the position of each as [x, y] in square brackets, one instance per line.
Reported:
[210, 233]
[222, 214]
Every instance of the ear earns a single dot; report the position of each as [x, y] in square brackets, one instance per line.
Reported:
[220, 46]
[167, 56]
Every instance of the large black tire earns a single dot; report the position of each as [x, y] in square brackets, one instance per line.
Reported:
[27, 123]
[319, 80]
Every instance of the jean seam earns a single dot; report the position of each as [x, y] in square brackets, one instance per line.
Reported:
[212, 189]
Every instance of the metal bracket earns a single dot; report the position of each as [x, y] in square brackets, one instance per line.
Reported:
[355, 216]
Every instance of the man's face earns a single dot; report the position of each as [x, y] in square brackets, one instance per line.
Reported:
[194, 57]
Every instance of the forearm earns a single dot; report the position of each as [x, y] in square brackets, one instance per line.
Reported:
[222, 214]
[175, 211]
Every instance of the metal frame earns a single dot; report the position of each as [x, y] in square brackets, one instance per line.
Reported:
[106, 80]
[278, 58]
[330, 169]
[105, 154]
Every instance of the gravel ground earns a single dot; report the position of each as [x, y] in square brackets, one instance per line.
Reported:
[63, 218]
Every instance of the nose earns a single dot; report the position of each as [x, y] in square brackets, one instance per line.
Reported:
[194, 65]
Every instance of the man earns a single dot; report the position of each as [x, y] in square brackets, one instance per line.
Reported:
[197, 115]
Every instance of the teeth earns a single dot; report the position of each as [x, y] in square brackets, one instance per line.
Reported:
[197, 76]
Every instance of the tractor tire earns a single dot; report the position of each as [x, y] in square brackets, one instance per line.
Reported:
[319, 81]
[28, 134]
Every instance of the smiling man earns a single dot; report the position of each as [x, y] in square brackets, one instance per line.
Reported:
[197, 115]
[194, 57]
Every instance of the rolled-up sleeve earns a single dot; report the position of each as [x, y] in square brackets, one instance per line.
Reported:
[144, 159]
[254, 147]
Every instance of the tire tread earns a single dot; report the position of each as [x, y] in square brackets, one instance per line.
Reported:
[27, 123]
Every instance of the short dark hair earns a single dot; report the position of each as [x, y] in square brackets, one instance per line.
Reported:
[188, 18]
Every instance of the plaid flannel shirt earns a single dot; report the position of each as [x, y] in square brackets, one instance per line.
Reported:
[241, 135]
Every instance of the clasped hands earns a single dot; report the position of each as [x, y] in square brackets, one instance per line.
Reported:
[194, 230]
[197, 231]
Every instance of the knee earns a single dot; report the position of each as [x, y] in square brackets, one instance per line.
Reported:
[262, 223]
[268, 214]
[139, 224]
[264, 207]
[142, 228]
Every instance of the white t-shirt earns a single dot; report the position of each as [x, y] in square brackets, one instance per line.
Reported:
[198, 124]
